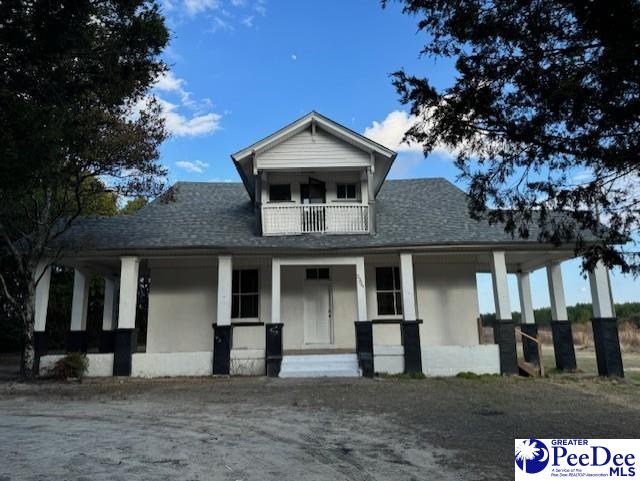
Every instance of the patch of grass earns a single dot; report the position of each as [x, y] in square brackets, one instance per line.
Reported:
[477, 377]
[634, 377]
[404, 375]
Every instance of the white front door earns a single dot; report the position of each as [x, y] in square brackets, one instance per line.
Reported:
[317, 312]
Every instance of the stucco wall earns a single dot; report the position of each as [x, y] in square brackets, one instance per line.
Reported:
[447, 303]
[183, 296]
[182, 306]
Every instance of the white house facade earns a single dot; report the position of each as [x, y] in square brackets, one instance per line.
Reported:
[314, 265]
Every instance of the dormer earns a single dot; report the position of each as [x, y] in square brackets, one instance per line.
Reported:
[314, 176]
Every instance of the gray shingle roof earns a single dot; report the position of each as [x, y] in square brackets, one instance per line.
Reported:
[221, 216]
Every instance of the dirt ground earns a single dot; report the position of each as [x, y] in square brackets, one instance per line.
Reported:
[275, 429]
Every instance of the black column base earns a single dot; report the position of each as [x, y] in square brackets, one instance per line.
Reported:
[107, 341]
[607, 343]
[77, 341]
[410, 335]
[273, 351]
[364, 347]
[505, 337]
[126, 343]
[563, 345]
[39, 349]
[529, 347]
[222, 341]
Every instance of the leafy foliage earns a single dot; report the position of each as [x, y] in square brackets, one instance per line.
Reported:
[579, 313]
[76, 127]
[544, 115]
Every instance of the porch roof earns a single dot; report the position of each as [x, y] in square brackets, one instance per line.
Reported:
[193, 215]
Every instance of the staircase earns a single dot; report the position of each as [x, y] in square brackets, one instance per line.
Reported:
[320, 365]
[528, 369]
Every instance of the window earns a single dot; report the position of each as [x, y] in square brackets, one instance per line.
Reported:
[279, 192]
[315, 273]
[346, 191]
[244, 294]
[388, 291]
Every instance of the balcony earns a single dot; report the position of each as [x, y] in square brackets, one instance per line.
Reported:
[281, 219]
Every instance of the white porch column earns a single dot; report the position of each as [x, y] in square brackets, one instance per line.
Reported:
[109, 307]
[129, 273]
[275, 291]
[500, 285]
[561, 331]
[43, 282]
[42, 277]
[225, 278]
[605, 325]
[556, 292]
[408, 289]
[80, 300]
[601, 292]
[503, 327]
[361, 291]
[526, 304]
[222, 330]
[126, 337]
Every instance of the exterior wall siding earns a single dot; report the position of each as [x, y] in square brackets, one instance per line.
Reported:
[182, 305]
[302, 151]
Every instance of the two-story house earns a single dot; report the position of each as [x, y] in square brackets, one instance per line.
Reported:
[314, 265]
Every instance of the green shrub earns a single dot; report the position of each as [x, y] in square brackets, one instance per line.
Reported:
[72, 365]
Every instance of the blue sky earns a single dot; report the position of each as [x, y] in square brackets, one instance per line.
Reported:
[241, 69]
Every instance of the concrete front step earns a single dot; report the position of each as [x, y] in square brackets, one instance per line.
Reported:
[320, 365]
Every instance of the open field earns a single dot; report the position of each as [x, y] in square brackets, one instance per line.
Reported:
[274, 429]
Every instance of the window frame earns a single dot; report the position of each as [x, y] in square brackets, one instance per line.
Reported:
[240, 294]
[290, 199]
[346, 191]
[317, 274]
[396, 291]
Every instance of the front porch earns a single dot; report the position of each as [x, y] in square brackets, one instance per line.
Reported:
[402, 312]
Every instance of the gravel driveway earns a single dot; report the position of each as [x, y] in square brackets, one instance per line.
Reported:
[270, 429]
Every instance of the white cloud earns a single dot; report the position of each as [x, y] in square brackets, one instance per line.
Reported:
[200, 122]
[220, 25]
[222, 15]
[260, 7]
[168, 82]
[391, 130]
[197, 166]
[294, 57]
[182, 126]
[390, 133]
[198, 6]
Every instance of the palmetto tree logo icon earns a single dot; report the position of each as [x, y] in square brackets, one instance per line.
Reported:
[532, 455]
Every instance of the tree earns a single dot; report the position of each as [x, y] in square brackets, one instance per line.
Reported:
[544, 115]
[75, 121]
[134, 205]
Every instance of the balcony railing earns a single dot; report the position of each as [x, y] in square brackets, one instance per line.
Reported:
[279, 219]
